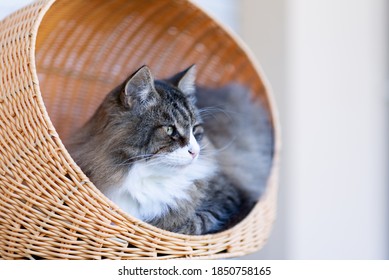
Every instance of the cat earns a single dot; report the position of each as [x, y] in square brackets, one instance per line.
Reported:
[147, 148]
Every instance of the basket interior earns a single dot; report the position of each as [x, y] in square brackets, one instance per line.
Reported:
[85, 48]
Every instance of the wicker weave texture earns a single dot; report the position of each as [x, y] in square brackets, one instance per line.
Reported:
[58, 59]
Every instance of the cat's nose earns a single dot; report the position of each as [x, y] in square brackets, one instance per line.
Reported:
[193, 147]
[193, 152]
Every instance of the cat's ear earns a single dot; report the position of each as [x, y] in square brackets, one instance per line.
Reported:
[185, 80]
[139, 89]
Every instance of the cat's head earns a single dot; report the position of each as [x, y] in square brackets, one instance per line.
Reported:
[157, 119]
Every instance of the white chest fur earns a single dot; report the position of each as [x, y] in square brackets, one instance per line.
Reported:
[150, 189]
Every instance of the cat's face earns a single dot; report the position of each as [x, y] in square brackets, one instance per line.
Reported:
[173, 126]
[160, 122]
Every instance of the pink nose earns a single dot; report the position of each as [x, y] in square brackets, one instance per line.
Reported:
[192, 153]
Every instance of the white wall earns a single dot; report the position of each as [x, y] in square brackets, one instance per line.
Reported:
[225, 11]
[327, 62]
[337, 73]
[7, 7]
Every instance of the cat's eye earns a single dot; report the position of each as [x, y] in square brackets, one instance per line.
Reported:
[198, 132]
[169, 130]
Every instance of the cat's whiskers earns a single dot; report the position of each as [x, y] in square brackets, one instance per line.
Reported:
[146, 158]
[212, 111]
[207, 152]
[209, 111]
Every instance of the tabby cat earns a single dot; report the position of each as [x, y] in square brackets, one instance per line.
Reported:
[149, 149]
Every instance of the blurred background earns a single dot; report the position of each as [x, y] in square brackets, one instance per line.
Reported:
[327, 63]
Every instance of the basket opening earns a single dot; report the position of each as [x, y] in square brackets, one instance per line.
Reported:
[85, 48]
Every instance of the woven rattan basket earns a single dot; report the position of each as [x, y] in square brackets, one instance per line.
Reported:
[57, 61]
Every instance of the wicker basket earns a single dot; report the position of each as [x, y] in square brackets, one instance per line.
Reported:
[57, 61]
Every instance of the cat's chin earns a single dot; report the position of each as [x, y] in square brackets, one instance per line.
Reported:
[178, 163]
[179, 166]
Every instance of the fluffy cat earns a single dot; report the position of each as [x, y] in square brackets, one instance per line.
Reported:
[146, 149]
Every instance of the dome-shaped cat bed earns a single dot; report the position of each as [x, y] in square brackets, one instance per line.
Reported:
[57, 61]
